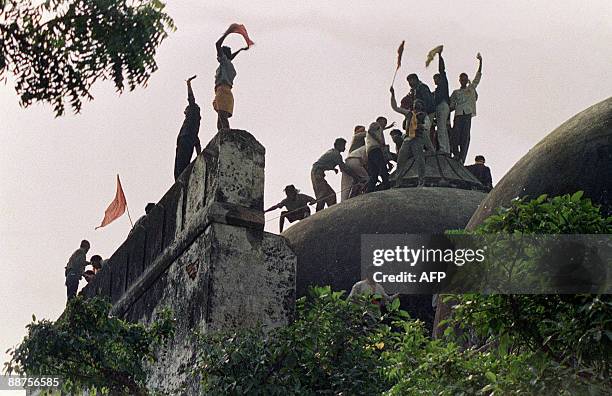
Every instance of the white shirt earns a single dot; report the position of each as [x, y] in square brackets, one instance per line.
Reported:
[363, 287]
[463, 100]
[374, 137]
[359, 153]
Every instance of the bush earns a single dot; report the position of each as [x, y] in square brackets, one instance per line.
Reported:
[573, 330]
[90, 349]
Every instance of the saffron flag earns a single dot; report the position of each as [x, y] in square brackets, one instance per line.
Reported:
[116, 208]
[241, 30]
[400, 52]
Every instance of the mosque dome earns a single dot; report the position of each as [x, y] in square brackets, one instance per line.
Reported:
[328, 243]
[575, 156]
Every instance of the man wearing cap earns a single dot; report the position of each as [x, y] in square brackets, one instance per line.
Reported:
[328, 162]
[481, 172]
[296, 204]
[75, 268]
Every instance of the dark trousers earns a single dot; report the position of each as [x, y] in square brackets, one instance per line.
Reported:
[72, 285]
[377, 166]
[184, 150]
[461, 136]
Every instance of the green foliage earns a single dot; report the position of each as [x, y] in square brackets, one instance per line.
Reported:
[426, 367]
[338, 347]
[91, 349]
[56, 49]
[334, 346]
[565, 214]
[573, 330]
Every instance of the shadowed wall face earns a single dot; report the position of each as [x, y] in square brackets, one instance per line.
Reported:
[203, 254]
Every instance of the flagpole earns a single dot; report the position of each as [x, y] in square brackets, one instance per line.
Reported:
[394, 75]
[128, 212]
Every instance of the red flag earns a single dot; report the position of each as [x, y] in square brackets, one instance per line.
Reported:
[241, 30]
[116, 208]
[400, 52]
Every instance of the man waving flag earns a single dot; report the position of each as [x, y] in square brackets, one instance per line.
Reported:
[116, 208]
[400, 52]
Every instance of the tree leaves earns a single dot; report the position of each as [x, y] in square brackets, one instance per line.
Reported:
[90, 349]
[58, 49]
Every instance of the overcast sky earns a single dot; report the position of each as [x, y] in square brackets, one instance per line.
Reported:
[318, 69]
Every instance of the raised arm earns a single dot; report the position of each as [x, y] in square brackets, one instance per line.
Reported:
[394, 105]
[219, 43]
[390, 125]
[476, 79]
[190, 97]
[441, 66]
[237, 52]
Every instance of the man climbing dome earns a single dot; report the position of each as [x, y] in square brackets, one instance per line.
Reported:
[328, 162]
[296, 204]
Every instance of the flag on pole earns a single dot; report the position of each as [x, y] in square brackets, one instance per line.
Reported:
[241, 30]
[116, 208]
[433, 53]
[400, 52]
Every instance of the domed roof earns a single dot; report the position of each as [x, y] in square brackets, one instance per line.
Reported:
[575, 156]
[441, 171]
[328, 243]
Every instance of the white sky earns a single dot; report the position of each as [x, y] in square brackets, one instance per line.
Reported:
[318, 69]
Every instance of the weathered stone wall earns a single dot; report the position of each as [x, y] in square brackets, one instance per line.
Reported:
[202, 252]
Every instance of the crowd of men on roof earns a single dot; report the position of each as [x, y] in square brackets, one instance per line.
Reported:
[426, 128]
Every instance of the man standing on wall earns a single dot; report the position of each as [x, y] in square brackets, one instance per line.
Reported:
[188, 136]
[463, 102]
[224, 77]
[75, 268]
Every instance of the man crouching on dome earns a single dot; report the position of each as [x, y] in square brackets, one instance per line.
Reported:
[296, 204]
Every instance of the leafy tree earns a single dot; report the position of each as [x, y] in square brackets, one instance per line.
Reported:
[574, 330]
[334, 347]
[337, 347]
[56, 49]
[91, 349]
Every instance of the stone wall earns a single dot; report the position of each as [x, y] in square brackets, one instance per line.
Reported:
[202, 252]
